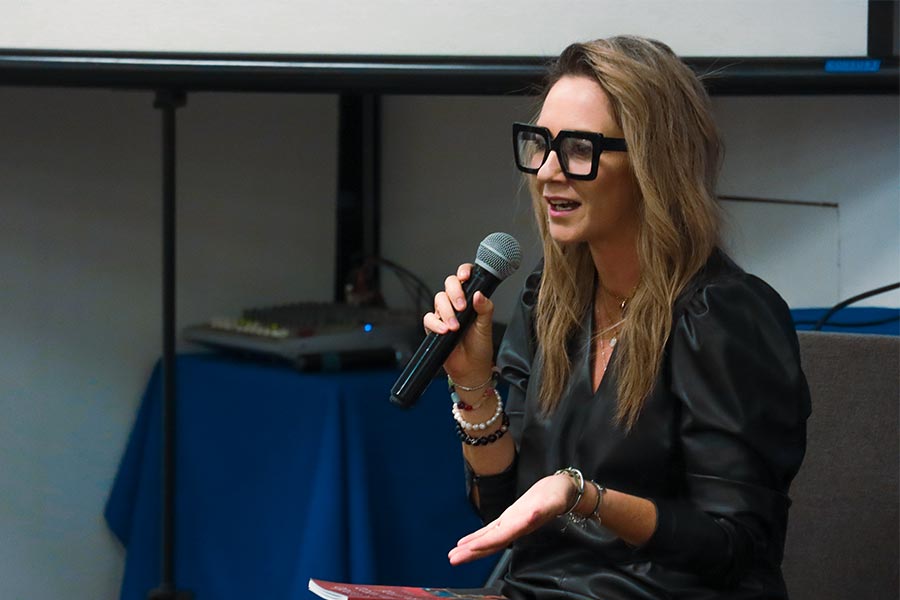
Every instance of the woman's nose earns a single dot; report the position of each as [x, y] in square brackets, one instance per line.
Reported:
[551, 168]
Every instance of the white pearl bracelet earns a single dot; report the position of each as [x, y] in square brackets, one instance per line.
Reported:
[479, 426]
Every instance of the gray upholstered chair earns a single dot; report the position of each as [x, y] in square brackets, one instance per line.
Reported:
[842, 539]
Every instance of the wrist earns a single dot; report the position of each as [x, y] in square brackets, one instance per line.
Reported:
[472, 380]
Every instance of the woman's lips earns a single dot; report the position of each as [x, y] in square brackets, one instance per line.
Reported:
[560, 206]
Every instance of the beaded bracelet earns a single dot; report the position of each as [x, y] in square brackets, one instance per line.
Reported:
[485, 440]
[479, 426]
[456, 400]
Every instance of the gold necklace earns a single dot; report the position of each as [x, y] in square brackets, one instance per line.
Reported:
[601, 312]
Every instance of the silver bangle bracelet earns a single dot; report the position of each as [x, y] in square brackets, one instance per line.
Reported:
[601, 491]
[578, 480]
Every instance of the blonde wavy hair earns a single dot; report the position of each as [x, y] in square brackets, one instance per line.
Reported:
[675, 153]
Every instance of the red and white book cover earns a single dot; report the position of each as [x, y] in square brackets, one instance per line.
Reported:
[352, 591]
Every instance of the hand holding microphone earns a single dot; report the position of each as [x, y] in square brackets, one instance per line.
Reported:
[471, 360]
[498, 257]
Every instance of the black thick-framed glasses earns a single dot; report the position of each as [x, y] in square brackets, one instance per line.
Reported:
[578, 151]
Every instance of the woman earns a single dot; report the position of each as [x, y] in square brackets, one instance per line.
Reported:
[656, 406]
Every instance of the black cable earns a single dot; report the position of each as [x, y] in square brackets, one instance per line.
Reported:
[422, 294]
[409, 285]
[849, 301]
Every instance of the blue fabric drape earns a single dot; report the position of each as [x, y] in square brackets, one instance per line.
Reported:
[283, 476]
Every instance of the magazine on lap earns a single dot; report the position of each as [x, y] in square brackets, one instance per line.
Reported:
[351, 591]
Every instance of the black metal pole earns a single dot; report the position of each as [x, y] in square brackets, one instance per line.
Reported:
[168, 101]
[358, 201]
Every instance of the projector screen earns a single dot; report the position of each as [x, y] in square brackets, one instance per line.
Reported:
[697, 28]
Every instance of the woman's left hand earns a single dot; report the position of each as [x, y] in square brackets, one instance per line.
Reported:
[544, 501]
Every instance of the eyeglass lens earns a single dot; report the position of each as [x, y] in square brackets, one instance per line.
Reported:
[532, 149]
[576, 155]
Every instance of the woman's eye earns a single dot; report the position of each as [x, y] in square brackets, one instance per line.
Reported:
[537, 143]
[581, 148]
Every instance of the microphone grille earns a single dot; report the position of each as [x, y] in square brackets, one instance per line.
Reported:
[500, 254]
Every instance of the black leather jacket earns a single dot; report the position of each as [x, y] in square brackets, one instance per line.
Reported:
[715, 448]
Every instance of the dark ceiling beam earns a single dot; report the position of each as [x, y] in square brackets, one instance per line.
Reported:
[414, 75]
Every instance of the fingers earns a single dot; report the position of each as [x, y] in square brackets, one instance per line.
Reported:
[458, 555]
[480, 532]
[445, 309]
[483, 306]
[463, 271]
[443, 319]
[449, 302]
[486, 541]
[432, 322]
[454, 292]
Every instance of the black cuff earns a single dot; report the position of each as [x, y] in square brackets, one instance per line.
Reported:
[495, 492]
[689, 539]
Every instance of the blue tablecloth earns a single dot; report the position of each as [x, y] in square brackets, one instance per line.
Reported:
[283, 476]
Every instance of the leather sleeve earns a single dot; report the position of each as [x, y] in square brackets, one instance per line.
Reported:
[734, 367]
[515, 362]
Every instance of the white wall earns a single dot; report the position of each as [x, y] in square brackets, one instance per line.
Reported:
[839, 149]
[80, 253]
[80, 258]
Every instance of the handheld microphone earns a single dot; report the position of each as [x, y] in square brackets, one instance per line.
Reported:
[497, 258]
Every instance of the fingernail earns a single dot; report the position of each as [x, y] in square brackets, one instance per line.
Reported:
[453, 323]
[460, 303]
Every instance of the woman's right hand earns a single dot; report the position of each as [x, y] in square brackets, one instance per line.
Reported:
[471, 361]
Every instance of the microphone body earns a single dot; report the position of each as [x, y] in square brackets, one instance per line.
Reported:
[498, 256]
[432, 352]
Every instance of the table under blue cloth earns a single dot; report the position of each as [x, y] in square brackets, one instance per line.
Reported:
[283, 476]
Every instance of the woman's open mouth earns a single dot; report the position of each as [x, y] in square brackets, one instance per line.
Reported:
[561, 205]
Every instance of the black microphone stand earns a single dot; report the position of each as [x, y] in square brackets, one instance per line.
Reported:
[168, 101]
